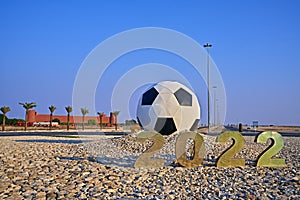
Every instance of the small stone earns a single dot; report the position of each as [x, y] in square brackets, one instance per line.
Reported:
[85, 173]
[295, 178]
[41, 195]
[51, 195]
[111, 190]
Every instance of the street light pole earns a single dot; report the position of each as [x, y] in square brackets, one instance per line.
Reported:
[217, 114]
[207, 46]
[215, 110]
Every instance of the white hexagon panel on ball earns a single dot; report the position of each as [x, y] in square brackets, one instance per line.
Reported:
[168, 107]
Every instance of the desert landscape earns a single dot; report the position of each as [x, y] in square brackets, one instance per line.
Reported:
[149, 100]
[102, 167]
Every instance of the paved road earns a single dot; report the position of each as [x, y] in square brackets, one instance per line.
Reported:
[254, 133]
[284, 134]
[59, 133]
[244, 133]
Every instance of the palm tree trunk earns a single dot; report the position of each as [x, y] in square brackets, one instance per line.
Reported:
[83, 122]
[3, 122]
[26, 117]
[68, 123]
[116, 118]
[101, 123]
[50, 121]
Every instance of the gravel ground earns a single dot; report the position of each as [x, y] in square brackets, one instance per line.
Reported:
[39, 167]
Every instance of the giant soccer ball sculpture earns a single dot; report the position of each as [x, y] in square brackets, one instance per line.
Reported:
[168, 107]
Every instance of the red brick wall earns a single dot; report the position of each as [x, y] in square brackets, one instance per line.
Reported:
[32, 116]
[35, 117]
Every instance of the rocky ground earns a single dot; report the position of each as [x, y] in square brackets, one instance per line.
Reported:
[39, 167]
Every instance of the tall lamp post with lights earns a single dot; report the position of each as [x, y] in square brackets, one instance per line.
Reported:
[207, 46]
[215, 109]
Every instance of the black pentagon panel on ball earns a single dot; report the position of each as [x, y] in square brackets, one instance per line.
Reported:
[165, 126]
[195, 125]
[149, 96]
[183, 97]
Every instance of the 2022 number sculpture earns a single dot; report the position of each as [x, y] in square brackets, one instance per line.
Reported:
[226, 159]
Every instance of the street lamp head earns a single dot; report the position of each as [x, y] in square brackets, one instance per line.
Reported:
[207, 45]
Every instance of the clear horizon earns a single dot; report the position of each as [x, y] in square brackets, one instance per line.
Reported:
[255, 47]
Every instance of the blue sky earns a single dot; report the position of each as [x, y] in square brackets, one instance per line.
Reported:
[256, 47]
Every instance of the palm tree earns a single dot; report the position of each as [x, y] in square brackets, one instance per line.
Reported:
[69, 109]
[116, 113]
[4, 110]
[101, 114]
[84, 111]
[52, 109]
[27, 106]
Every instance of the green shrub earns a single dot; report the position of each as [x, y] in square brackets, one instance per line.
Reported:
[56, 120]
[1, 119]
[10, 121]
[92, 122]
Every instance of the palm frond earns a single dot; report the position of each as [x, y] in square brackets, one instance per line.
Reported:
[69, 109]
[84, 111]
[5, 109]
[52, 108]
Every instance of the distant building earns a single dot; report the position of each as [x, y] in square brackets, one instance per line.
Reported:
[34, 117]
